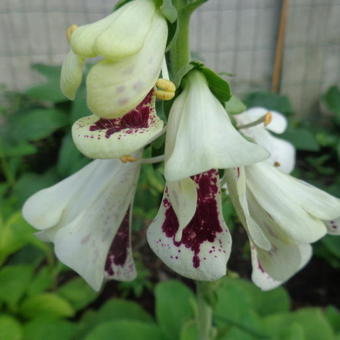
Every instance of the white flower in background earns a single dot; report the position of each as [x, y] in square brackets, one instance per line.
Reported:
[113, 138]
[282, 153]
[200, 135]
[132, 42]
[87, 216]
[189, 233]
[282, 216]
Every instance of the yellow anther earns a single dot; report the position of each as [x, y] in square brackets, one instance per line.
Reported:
[165, 89]
[267, 118]
[70, 31]
[164, 95]
[128, 159]
[277, 164]
[166, 85]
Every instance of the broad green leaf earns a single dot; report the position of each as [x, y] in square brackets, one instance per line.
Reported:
[301, 138]
[46, 304]
[44, 328]
[13, 282]
[16, 150]
[77, 292]
[37, 124]
[42, 281]
[173, 307]
[189, 331]
[10, 328]
[126, 330]
[235, 105]
[113, 310]
[218, 86]
[332, 314]
[181, 73]
[332, 99]
[50, 90]
[169, 10]
[29, 183]
[332, 243]
[270, 101]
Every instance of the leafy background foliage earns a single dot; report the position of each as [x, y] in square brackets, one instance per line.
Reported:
[42, 299]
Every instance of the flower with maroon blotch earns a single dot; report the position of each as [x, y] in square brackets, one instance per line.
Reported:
[132, 43]
[189, 233]
[282, 216]
[87, 216]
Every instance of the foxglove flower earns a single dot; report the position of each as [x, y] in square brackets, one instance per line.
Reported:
[132, 43]
[113, 138]
[200, 135]
[87, 216]
[189, 233]
[282, 216]
[282, 153]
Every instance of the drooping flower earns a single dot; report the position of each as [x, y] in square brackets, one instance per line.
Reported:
[132, 42]
[282, 216]
[282, 153]
[87, 216]
[113, 138]
[200, 135]
[189, 233]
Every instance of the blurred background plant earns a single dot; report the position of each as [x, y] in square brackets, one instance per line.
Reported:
[41, 299]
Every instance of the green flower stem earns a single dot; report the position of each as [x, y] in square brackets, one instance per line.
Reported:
[203, 313]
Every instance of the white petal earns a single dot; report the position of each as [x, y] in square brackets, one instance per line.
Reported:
[277, 194]
[71, 75]
[84, 244]
[279, 122]
[236, 181]
[115, 88]
[204, 249]
[114, 138]
[183, 199]
[200, 135]
[126, 34]
[333, 226]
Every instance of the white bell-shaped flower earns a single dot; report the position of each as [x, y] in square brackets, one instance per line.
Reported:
[113, 138]
[282, 153]
[87, 216]
[189, 233]
[200, 135]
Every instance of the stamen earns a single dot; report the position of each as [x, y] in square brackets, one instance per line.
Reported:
[265, 119]
[165, 89]
[128, 159]
[70, 31]
[165, 72]
[164, 95]
[277, 164]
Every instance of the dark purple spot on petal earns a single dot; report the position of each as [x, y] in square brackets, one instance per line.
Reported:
[205, 224]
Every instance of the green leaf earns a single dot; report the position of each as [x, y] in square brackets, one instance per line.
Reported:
[332, 314]
[169, 10]
[301, 138]
[332, 243]
[50, 90]
[13, 282]
[29, 183]
[10, 328]
[218, 86]
[43, 328]
[79, 105]
[181, 73]
[77, 292]
[126, 330]
[235, 105]
[173, 307]
[270, 101]
[189, 331]
[42, 281]
[46, 304]
[332, 100]
[70, 159]
[37, 124]
[16, 150]
[113, 310]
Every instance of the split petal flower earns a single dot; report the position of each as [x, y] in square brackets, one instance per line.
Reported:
[71, 75]
[282, 153]
[200, 135]
[115, 88]
[87, 217]
[118, 35]
[201, 249]
[113, 138]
